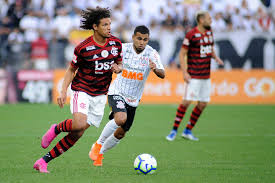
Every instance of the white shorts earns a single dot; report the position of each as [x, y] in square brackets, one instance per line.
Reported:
[93, 107]
[197, 90]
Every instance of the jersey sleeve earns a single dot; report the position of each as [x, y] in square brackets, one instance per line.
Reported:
[120, 53]
[187, 40]
[155, 57]
[76, 58]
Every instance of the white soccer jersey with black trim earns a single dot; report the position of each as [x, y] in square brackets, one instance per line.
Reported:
[130, 82]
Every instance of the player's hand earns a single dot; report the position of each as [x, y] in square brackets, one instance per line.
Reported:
[219, 61]
[152, 65]
[186, 77]
[61, 99]
[115, 68]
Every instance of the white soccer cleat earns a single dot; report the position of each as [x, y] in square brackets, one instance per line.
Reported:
[172, 135]
[187, 134]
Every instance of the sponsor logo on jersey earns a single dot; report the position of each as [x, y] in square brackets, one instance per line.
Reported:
[100, 67]
[132, 75]
[114, 51]
[186, 42]
[74, 59]
[95, 56]
[112, 43]
[197, 35]
[90, 48]
[120, 104]
[104, 53]
[205, 39]
[208, 33]
[205, 50]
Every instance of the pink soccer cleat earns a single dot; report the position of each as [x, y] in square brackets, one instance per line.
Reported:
[48, 137]
[41, 166]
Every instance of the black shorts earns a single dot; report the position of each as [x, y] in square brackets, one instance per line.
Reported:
[118, 104]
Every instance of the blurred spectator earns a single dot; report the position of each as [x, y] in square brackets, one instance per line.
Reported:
[39, 53]
[15, 40]
[218, 23]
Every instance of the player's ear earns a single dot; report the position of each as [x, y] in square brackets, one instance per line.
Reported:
[94, 26]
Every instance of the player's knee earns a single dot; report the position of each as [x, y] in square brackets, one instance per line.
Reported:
[119, 134]
[80, 125]
[201, 106]
[186, 103]
[120, 118]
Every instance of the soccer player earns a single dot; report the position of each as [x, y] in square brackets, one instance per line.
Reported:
[198, 46]
[126, 91]
[90, 73]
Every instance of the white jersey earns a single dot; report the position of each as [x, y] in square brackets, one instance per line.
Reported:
[130, 82]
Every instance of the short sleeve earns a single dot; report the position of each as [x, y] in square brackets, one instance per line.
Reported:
[155, 57]
[187, 40]
[76, 59]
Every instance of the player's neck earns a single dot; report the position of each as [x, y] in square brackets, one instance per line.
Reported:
[137, 52]
[99, 39]
[201, 29]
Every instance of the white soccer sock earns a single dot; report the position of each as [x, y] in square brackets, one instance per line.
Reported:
[108, 130]
[110, 142]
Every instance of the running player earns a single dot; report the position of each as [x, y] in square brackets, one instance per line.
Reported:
[198, 46]
[126, 91]
[90, 73]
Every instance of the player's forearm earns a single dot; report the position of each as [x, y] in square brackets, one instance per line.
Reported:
[120, 67]
[183, 63]
[69, 75]
[160, 73]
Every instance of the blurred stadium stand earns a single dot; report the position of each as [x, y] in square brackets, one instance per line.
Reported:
[244, 31]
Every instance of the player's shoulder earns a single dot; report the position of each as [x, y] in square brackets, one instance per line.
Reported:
[115, 39]
[127, 45]
[83, 44]
[192, 32]
[150, 49]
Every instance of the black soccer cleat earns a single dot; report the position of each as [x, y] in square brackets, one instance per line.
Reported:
[111, 115]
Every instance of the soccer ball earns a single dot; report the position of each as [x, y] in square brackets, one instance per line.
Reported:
[145, 164]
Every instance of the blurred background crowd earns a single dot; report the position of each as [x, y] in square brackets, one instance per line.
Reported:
[35, 34]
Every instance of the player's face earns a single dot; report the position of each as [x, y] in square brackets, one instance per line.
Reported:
[140, 41]
[104, 27]
[207, 21]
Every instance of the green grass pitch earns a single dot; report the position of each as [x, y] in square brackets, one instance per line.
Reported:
[237, 144]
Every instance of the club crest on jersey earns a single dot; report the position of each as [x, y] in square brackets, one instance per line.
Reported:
[112, 43]
[114, 51]
[143, 60]
[205, 39]
[104, 53]
[90, 48]
[120, 105]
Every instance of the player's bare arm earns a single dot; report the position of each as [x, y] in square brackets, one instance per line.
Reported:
[159, 72]
[117, 68]
[218, 59]
[69, 75]
[183, 64]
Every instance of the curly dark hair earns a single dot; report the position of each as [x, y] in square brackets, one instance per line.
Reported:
[93, 16]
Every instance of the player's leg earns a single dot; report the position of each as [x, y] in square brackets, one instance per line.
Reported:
[118, 107]
[76, 128]
[190, 93]
[78, 101]
[204, 98]
[115, 138]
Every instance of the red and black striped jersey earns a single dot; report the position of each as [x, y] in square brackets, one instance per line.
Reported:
[199, 46]
[94, 62]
